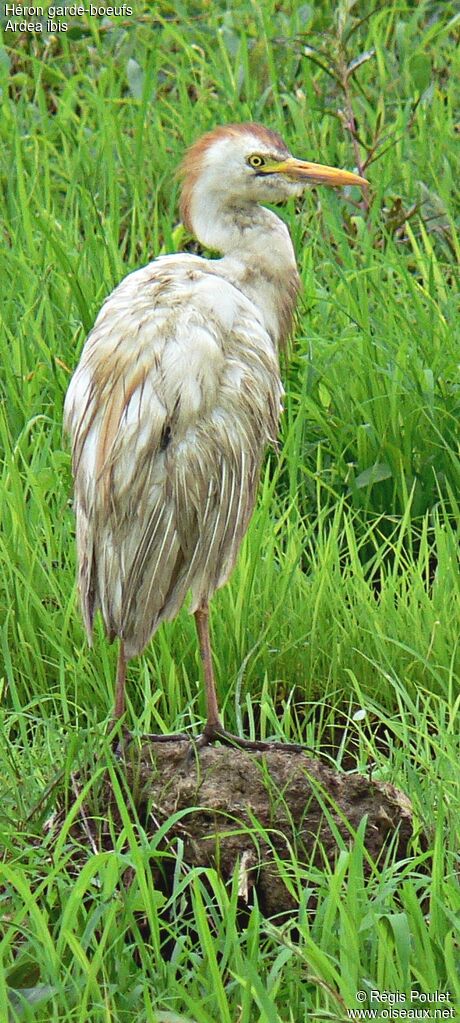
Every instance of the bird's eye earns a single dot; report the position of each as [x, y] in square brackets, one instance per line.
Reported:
[256, 161]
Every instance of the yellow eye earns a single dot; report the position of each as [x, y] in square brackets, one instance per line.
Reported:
[256, 161]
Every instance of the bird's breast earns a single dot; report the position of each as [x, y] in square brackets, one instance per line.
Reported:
[272, 293]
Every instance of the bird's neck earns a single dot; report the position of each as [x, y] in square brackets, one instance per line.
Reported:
[257, 257]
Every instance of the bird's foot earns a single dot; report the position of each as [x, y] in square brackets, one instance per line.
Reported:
[123, 739]
[217, 733]
[166, 737]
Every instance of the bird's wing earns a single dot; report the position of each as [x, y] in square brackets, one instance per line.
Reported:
[175, 397]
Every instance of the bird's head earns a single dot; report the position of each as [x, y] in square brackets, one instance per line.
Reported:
[245, 164]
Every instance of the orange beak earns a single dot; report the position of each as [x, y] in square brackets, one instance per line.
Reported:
[315, 173]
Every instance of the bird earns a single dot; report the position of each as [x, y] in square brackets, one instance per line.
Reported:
[177, 395]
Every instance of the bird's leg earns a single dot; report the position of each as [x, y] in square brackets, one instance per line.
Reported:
[119, 708]
[213, 728]
[213, 722]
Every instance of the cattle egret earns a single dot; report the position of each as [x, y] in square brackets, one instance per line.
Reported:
[177, 395]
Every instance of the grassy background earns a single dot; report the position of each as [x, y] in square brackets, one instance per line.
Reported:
[346, 594]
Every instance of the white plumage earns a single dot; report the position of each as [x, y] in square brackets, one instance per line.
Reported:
[176, 396]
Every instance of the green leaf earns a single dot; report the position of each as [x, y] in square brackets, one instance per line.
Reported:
[374, 474]
[420, 71]
[135, 76]
[29, 996]
[361, 59]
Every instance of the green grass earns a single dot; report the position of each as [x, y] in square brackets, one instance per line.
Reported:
[346, 593]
